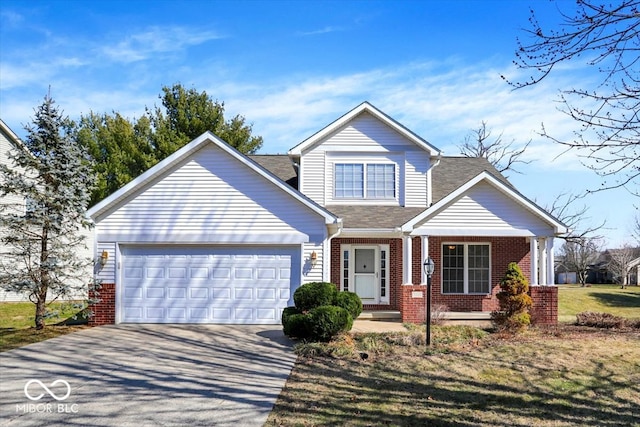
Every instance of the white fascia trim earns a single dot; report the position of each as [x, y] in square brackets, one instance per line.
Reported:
[558, 226]
[187, 150]
[244, 238]
[365, 106]
[371, 232]
[506, 232]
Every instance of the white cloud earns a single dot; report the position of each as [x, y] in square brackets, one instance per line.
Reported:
[145, 44]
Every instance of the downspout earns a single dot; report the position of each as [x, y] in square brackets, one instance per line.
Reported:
[429, 181]
[326, 260]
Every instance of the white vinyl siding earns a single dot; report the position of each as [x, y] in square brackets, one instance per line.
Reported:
[484, 209]
[106, 273]
[311, 273]
[415, 178]
[466, 268]
[365, 139]
[212, 197]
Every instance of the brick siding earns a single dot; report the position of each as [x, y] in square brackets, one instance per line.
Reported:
[395, 267]
[545, 305]
[104, 310]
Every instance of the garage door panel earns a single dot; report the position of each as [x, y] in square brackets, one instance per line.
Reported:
[180, 284]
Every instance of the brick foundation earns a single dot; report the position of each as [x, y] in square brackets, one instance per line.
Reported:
[104, 310]
[413, 303]
[545, 305]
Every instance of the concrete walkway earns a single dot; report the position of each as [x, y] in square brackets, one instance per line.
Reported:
[147, 375]
[377, 326]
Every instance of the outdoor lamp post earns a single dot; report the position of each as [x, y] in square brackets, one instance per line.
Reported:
[429, 266]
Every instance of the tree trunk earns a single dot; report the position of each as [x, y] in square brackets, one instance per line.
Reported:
[41, 308]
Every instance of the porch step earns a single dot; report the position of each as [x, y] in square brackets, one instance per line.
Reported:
[380, 315]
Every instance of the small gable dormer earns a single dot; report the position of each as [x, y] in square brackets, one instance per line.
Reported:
[365, 158]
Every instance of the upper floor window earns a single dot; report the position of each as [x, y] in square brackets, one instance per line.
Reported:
[466, 268]
[365, 180]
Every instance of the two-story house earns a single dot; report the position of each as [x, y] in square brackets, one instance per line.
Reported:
[210, 235]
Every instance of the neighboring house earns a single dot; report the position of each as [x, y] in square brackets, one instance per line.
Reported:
[210, 235]
[634, 272]
[9, 142]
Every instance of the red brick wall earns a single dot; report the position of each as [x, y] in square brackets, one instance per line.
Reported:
[503, 251]
[545, 305]
[395, 267]
[416, 261]
[413, 306]
[103, 311]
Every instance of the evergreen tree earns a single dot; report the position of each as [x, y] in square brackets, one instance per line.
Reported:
[53, 177]
[514, 300]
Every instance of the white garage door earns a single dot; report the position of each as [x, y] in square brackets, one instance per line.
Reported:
[182, 284]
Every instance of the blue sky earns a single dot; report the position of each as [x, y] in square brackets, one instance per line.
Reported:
[292, 67]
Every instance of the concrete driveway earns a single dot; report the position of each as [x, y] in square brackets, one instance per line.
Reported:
[147, 375]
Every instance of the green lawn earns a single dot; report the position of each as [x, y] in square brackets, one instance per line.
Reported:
[573, 299]
[17, 323]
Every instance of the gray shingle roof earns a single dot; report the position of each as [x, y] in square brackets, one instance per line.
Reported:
[278, 164]
[453, 172]
[449, 175]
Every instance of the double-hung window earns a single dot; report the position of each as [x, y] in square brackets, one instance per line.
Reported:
[365, 181]
[466, 268]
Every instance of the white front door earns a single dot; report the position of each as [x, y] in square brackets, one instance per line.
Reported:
[365, 271]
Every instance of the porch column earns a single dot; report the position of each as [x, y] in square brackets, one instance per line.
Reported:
[542, 261]
[425, 254]
[551, 280]
[407, 259]
[534, 260]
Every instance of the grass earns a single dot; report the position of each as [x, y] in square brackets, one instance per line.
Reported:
[17, 323]
[573, 299]
[564, 376]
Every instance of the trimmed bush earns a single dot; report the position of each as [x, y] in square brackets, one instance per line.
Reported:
[327, 321]
[314, 294]
[296, 325]
[351, 302]
[288, 311]
[514, 300]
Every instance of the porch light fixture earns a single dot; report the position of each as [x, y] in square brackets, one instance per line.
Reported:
[429, 267]
[103, 258]
[313, 258]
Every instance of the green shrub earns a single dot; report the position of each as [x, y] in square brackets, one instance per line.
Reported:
[327, 321]
[314, 294]
[296, 325]
[288, 311]
[514, 300]
[351, 302]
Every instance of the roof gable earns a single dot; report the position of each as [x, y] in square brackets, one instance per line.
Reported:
[508, 195]
[180, 157]
[365, 107]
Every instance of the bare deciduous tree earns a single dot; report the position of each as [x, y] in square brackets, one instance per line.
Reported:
[579, 255]
[567, 209]
[607, 37]
[620, 264]
[497, 152]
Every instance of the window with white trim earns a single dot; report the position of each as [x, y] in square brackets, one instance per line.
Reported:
[466, 268]
[365, 181]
